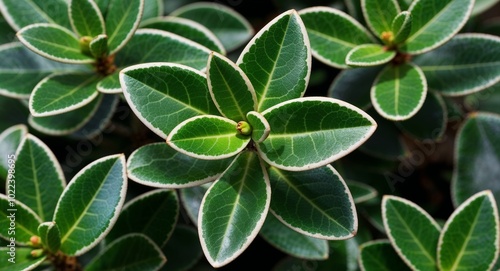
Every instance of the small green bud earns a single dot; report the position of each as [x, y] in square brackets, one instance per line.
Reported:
[85, 45]
[36, 253]
[244, 128]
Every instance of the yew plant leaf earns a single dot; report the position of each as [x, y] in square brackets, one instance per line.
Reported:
[26, 221]
[21, 13]
[164, 95]
[234, 209]
[230, 88]
[399, 91]
[122, 19]
[158, 165]
[39, 178]
[50, 236]
[260, 126]
[130, 252]
[477, 155]
[413, 232]
[324, 128]
[292, 242]
[10, 139]
[184, 241]
[380, 14]
[401, 27]
[428, 31]
[470, 237]
[467, 63]
[329, 42]
[53, 42]
[208, 137]
[380, 255]
[315, 202]
[23, 261]
[60, 93]
[278, 60]
[232, 29]
[369, 55]
[159, 210]
[188, 29]
[84, 218]
[86, 18]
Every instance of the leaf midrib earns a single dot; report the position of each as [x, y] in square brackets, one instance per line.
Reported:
[425, 26]
[39, 206]
[459, 67]
[70, 93]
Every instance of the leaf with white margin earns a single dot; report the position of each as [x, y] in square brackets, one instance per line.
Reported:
[314, 202]
[260, 126]
[9, 142]
[366, 55]
[53, 42]
[380, 255]
[467, 63]
[40, 181]
[232, 29]
[380, 14]
[414, 234]
[329, 42]
[61, 93]
[191, 198]
[50, 236]
[99, 46]
[230, 88]
[162, 95]
[23, 259]
[159, 210]
[361, 192]
[234, 209]
[122, 19]
[130, 252]
[477, 156]
[25, 220]
[428, 31]
[278, 60]
[90, 204]
[208, 137]
[312, 132]
[158, 165]
[401, 27]
[110, 84]
[399, 91]
[21, 70]
[470, 237]
[152, 9]
[21, 13]
[86, 18]
[481, 6]
[188, 29]
[292, 242]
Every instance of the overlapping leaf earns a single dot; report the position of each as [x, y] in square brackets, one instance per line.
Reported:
[9, 141]
[122, 19]
[184, 241]
[21, 13]
[379, 255]
[26, 221]
[86, 18]
[23, 259]
[380, 14]
[369, 55]
[50, 236]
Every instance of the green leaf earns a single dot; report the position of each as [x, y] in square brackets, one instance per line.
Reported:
[110, 84]
[21, 70]
[174, 100]
[188, 29]
[50, 236]
[379, 255]
[292, 242]
[260, 126]
[230, 88]
[100, 122]
[486, 100]
[361, 192]
[405, 4]
[122, 19]
[302, 131]
[17, 220]
[481, 6]
[89, 207]
[413, 232]
[53, 42]
[399, 91]
[7, 34]
[232, 29]
[128, 253]
[208, 137]
[152, 9]
[369, 55]
[477, 156]
[470, 237]
[284, 73]
[61, 93]
[331, 43]
[99, 46]
[158, 165]
[22, 260]
[380, 14]
[9, 142]
[159, 210]
[21, 13]
[401, 27]
[191, 198]
[184, 241]
[467, 63]
[234, 209]
[86, 18]
[40, 180]
[13, 112]
[314, 202]
[428, 31]
[66, 123]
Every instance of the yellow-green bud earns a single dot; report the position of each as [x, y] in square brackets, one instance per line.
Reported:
[36, 253]
[244, 128]
[387, 37]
